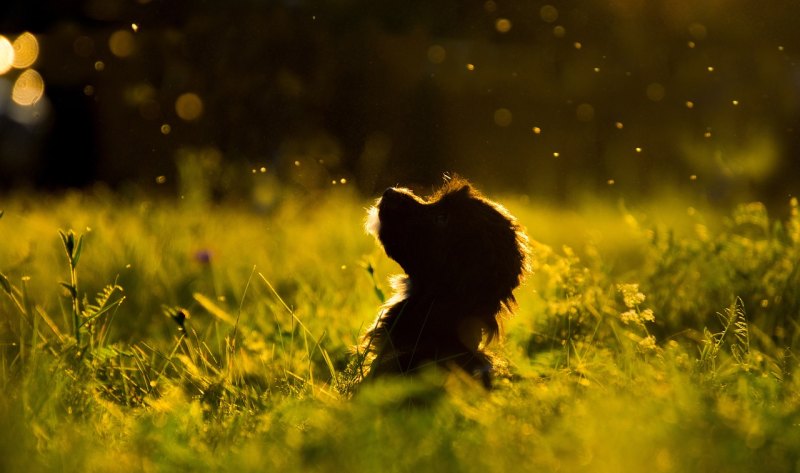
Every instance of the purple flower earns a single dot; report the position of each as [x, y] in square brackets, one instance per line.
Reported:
[203, 256]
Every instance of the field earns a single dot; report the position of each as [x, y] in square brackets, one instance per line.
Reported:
[162, 335]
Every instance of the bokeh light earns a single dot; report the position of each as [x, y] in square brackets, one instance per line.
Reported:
[26, 50]
[121, 43]
[548, 13]
[436, 54]
[28, 88]
[6, 55]
[189, 106]
[503, 25]
[502, 117]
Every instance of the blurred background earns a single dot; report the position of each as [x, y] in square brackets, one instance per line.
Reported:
[559, 100]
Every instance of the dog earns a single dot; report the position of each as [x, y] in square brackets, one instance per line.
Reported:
[463, 255]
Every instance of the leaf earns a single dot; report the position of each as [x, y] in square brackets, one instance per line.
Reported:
[102, 304]
[69, 241]
[69, 287]
[214, 309]
[76, 256]
[102, 310]
[4, 281]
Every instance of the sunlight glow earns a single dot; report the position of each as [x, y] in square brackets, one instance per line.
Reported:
[28, 88]
[6, 55]
[189, 106]
[121, 43]
[26, 50]
[503, 25]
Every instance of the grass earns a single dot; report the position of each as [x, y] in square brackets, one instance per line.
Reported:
[155, 336]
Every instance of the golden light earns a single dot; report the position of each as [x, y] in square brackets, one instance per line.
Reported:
[26, 50]
[6, 55]
[165, 129]
[559, 31]
[28, 88]
[619, 125]
[189, 106]
[470, 67]
[536, 130]
[121, 43]
[436, 54]
[548, 13]
[503, 25]
[502, 117]
[689, 104]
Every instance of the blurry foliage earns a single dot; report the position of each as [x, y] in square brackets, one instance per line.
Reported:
[388, 92]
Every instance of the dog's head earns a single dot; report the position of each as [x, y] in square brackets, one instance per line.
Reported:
[455, 243]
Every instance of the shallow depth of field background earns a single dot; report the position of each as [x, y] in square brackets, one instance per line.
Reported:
[184, 274]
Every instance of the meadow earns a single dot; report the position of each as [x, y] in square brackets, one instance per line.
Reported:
[151, 334]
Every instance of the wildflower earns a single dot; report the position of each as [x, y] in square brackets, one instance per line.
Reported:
[647, 315]
[629, 316]
[647, 343]
[631, 295]
[203, 256]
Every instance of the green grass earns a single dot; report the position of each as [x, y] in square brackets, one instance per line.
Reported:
[188, 337]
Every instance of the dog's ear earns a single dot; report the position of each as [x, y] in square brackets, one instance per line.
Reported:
[455, 185]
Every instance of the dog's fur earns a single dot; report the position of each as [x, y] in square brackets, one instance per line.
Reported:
[463, 255]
